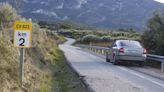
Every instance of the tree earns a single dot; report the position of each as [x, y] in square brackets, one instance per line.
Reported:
[153, 37]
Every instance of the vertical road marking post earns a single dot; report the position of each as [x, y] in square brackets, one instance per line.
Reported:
[21, 66]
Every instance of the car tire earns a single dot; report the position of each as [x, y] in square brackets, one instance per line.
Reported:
[141, 64]
[115, 61]
[107, 60]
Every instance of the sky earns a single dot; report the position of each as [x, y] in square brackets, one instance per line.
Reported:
[162, 1]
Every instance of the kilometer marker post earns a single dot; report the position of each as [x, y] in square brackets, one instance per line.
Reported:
[22, 40]
[21, 65]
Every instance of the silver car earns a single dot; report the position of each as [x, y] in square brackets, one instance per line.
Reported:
[126, 50]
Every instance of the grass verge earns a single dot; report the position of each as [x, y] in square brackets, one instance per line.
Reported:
[65, 80]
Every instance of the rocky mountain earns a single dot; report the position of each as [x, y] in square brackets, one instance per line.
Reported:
[99, 13]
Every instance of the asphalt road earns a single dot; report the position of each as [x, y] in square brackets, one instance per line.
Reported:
[106, 77]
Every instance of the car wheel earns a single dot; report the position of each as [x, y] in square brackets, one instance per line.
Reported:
[141, 64]
[115, 62]
[107, 60]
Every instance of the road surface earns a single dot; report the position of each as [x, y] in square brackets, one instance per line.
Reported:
[106, 77]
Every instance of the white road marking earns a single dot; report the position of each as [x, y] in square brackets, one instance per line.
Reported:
[155, 82]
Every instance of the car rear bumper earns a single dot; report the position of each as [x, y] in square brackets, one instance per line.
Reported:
[131, 58]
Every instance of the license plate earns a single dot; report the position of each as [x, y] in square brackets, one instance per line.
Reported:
[133, 51]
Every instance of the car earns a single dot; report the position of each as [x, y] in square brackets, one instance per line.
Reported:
[126, 50]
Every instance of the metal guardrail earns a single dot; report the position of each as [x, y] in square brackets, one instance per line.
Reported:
[100, 50]
[104, 50]
[157, 58]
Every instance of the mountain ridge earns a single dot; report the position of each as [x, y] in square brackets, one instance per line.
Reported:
[98, 13]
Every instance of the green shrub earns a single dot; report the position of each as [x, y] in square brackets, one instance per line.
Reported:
[91, 38]
[153, 37]
[106, 38]
[120, 38]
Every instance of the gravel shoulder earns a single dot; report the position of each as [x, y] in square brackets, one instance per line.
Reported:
[112, 84]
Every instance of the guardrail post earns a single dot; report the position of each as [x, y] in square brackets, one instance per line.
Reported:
[162, 66]
[103, 51]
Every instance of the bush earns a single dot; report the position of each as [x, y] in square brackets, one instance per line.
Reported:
[7, 15]
[120, 38]
[91, 38]
[106, 38]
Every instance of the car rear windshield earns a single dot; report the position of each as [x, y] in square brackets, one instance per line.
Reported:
[130, 44]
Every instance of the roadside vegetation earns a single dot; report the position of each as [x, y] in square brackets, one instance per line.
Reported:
[45, 66]
[100, 37]
[153, 37]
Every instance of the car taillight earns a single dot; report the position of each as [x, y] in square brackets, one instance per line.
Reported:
[121, 50]
[145, 51]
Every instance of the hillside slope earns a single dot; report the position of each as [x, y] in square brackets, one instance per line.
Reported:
[45, 67]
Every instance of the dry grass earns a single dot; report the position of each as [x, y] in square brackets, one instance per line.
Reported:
[36, 60]
[45, 69]
[39, 66]
[8, 65]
